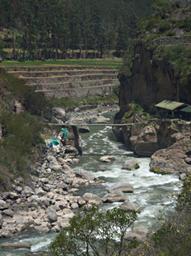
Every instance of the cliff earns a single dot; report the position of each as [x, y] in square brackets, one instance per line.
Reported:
[157, 66]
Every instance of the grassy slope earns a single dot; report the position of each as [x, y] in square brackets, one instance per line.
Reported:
[109, 63]
[21, 140]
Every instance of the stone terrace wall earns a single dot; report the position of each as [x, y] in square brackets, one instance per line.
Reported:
[68, 81]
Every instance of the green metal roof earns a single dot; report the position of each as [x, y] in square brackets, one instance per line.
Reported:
[169, 105]
[186, 109]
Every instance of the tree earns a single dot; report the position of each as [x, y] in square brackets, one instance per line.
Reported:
[93, 232]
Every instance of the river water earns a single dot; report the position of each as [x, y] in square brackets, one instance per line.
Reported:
[155, 194]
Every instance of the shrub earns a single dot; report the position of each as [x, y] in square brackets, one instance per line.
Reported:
[19, 144]
[94, 232]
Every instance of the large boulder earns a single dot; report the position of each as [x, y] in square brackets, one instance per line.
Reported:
[85, 175]
[84, 129]
[92, 199]
[114, 197]
[131, 165]
[19, 245]
[107, 159]
[121, 187]
[173, 159]
[129, 207]
[3, 205]
[27, 191]
[51, 214]
[145, 143]
[60, 113]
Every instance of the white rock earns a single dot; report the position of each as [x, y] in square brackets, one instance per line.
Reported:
[107, 159]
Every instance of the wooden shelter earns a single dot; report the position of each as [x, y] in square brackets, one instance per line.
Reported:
[173, 109]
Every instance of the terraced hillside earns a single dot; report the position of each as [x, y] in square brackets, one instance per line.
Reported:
[68, 81]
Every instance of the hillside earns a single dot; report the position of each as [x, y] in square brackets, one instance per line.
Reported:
[158, 64]
[20, 110]
[67, 29]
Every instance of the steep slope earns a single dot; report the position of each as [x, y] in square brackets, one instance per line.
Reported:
[20, 128]
[158, 65]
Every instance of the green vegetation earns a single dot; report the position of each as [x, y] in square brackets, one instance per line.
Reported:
[174, 237]
[179, 56]
[70, 103]
[135, 113]
[107, 63]
[21, 141]
[93, 232]
[61, 29]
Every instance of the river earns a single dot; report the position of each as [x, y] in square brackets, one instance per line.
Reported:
[155, 194]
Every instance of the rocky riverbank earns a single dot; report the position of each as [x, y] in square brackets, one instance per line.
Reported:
[48, 202]
[167, 142]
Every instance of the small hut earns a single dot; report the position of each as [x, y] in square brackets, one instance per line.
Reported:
[185, 112]
[169, 109]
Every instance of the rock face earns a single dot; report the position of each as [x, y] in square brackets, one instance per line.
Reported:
[174, 159]
[147, 137]
[145, 143]
[151, 81]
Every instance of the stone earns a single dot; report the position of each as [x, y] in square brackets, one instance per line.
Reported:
[102, 119]
[172, 159]
[8, 212]
[146, 142]
[114, 197]
[40, 192]
[55, 167]
[85, 175]
[71, 150]
[1, 220]
[3, 205]
[131, 165]
[188, 160]
[18, 107]
[107, 159]
[52, 215]
[27, 191]
[136, 236]
[122, 187]
[92, 199]
[74, 206]
[43, 228]
[84, 129]
[81, 202]
[18, 189]
[59, 113]
[129, 207]
[183, 176]
[12, 196]
[15, 246]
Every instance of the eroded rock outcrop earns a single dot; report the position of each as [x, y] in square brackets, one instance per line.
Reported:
[174, 159]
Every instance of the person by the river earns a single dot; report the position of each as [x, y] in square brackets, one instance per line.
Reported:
[64, 133]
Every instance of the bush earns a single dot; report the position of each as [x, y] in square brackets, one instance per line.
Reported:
[34, 103]
[94, 233]
[19, 144]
